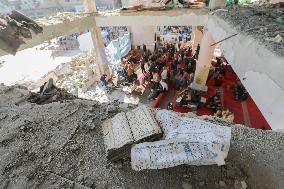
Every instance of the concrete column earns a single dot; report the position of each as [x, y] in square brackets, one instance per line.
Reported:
[143, 35]
[125, 3]
[197, 36]
[100, 50]
[90, 6]
[214, 4]
[204, 59]
[101, 59]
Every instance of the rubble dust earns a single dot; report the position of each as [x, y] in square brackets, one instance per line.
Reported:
[263, 22]
[14, 28]
[60, 145]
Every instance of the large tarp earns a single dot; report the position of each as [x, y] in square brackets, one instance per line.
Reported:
[188, 141]
[118, 48]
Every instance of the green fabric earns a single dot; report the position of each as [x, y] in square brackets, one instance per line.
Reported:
[238, 2]
[172, 5]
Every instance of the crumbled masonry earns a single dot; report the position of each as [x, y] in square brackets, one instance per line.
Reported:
[265, 23]
[14, 28]
[60, 145]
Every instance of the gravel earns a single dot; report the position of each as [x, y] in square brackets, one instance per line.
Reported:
[60, 145]
[263, 23]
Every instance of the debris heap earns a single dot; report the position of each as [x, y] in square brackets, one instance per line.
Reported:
[60, 145]
[14, 28]
[263, 22]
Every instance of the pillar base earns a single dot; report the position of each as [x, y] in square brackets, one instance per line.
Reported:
[198, 87]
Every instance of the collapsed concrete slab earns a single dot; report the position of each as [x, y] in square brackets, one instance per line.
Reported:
[60, 145]
[14, 28]
[68, 23]
[258, 67]
[172, 17]
[56, 26]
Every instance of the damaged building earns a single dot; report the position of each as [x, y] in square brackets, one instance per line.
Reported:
[155, 94]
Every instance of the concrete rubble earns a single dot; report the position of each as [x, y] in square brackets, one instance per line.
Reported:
[60, 145]
[263, 22]
[71, 76]
[61, 17]
[14, 28]
[50, 93]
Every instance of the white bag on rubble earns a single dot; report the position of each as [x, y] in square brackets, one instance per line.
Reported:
[187, 141]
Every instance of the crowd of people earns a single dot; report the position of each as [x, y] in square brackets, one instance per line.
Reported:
[173, 65]
[167, 63]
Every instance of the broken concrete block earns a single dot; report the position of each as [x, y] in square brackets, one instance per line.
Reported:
[214, 4]
[15, 27]
[125, 129]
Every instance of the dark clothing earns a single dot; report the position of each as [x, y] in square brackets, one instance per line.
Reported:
[174, 65]
[156, 90]
[152, 67]
[197, 51]
[132, 78]
[143, 67]
[144, 48]
[182, 55]
[103, 79]
[186, 62]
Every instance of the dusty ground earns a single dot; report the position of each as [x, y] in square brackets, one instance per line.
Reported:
[60, 145]
[263, 23]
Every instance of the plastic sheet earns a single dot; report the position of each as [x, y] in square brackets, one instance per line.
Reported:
[187, 141]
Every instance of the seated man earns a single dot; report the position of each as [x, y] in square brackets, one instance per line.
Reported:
[181, 79]
[156, 90]
[215, 103]
[218, 113]
[228, 116]
[131, 76]
[240, 93]
[164, 74]
[170, 106]
[164, 86]
[103, 79]
[186, 99]
[195, 97]
[218, 78]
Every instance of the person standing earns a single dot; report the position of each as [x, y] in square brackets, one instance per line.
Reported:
[197, 51]
[144, 48]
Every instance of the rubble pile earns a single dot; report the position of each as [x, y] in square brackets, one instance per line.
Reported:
[74, 75]
[61, 17]
[263, 22]
[74, 82]
[50, 93]
[14, 28]
[60, 145]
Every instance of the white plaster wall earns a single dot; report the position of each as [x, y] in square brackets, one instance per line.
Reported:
[143, 35]
[261, 71]
[190, 19]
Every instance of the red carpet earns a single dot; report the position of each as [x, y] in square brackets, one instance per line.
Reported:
[229, 99]
[255, 117]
